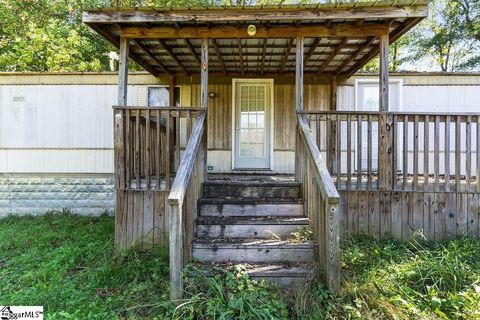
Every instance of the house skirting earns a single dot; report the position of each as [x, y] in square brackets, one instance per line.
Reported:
[84, 194]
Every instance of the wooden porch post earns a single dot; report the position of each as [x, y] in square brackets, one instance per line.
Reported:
[384, 76]
[118, 119]
[332, 134]
[385, 137]
[298, 104]
[118, 146]
[204, 94]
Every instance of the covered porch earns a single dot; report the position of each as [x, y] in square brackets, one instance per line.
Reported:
[359, 172]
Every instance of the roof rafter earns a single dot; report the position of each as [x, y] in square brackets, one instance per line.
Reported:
[287, 53]
[310, 52]
[332, 55]
[219, 56]
[354, 56]
[192, 51]
[375, 50]
[173, 56]
[264, 52]
[151, 56]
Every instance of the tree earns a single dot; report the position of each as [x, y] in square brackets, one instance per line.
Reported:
[443, 40]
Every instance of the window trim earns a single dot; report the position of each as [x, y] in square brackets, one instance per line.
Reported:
[395, 81]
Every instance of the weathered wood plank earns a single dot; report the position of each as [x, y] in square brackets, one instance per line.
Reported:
[473, 214]
[229, 32]
[384, 75]
[352, 212]
[450, 215]
[385, 214]
[374, 214]
[397, 215]
[429, 216]
[265, 14]
[441, 216]
[462, 215]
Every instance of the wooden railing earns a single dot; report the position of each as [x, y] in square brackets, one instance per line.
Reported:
[321, 202]
[148, 145]
[184, 195]
[400, 151]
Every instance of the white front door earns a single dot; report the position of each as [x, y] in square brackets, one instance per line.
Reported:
[252, 127]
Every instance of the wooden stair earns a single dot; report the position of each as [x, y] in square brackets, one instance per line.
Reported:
[251, 222]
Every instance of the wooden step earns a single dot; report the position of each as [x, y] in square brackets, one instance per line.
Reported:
[249, 227]
[218, 207]
[252, 190]
[251, 251]
[287, 276]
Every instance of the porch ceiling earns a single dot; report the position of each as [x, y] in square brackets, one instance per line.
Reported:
[339, 38]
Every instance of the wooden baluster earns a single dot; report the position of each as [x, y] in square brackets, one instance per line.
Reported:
[177, 140]
[137, 148]
[349, 152]
[405, 152]
[436, 154]
[426, 152]
[447, 154]
[318, 129]
[394, 153]
[369, 152]
[415, 153]
[158, 151]
[457, 153]
[338, 150]
[189, 124]
[468, 152]
[359, 152]
[128, 150]
[168, 153]
[147, 149]
[478, 154]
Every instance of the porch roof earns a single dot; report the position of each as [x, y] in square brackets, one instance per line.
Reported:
[339, 38]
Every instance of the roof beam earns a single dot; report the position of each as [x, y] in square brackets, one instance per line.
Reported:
[287, 53]
[219, 56]
[173, 56]
[264, 52]
[310, 52]
[375, 50]
[332, 55]
[354, 56]
[240, 54]
[231, 32]
[116, 43]
[258, 14]
[192, 51]
[151, 56]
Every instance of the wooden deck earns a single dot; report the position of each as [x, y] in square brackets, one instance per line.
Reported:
[403, 173]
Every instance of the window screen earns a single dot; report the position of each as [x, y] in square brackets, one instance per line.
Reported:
[159, 96]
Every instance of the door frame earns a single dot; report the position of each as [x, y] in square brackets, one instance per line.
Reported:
[269, 82]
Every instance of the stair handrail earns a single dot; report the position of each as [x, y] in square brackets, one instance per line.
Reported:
[322, 207]
[182, 203]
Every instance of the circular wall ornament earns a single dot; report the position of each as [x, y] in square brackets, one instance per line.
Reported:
[251, 30]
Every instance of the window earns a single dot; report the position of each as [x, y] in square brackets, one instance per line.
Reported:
[159, 96]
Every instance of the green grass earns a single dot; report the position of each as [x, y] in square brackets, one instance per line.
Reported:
[66, 263]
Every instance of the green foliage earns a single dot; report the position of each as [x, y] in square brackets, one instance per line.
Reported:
[228, 295]
[67, 264]
[391, 280]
